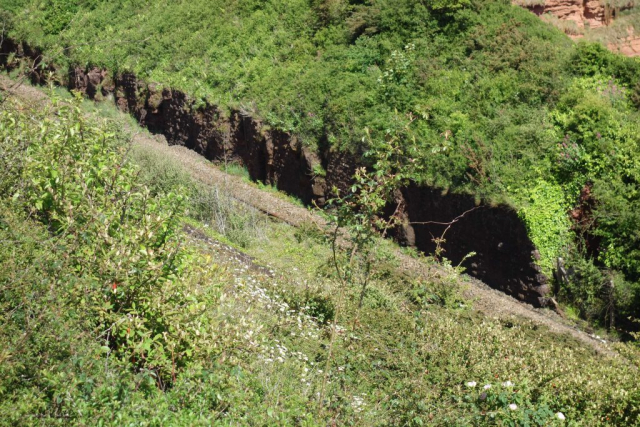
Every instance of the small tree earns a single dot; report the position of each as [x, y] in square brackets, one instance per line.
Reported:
[356, 217]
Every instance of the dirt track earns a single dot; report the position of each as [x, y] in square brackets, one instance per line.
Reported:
[486, 300]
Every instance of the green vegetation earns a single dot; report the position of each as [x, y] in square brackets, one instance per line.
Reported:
[544, 209]
[98, 297]
[507, 107]
[112, 314]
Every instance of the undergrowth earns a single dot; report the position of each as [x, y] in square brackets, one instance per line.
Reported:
[503, 100]
[112, 314]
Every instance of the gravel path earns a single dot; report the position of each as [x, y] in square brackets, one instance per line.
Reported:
[491, 302]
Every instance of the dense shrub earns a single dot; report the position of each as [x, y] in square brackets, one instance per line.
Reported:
[95, 270]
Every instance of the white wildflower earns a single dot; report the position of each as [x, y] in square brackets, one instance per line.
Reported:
[507, 384]
[560, 416]
[471, 384]
[513, 406]
[487, 386]
[358, 403]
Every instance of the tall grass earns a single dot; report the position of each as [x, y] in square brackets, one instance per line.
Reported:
[212, 206]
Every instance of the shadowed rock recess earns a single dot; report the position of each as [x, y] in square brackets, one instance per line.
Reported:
[504, 253]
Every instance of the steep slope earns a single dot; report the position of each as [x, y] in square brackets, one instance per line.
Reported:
[247, 339]
[505, 256]
[489, 302]
[495, 108]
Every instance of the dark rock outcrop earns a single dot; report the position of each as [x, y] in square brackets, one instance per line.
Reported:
[14, 55]
[504, 257]
[94, 82]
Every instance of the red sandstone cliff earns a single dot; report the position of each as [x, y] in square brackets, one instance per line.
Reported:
[629, 46]
[589, 13]
[586, 15]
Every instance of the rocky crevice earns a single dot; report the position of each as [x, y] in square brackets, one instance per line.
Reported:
[504, 251]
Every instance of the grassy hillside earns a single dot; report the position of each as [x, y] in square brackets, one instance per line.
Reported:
[504, 106]
[112, 313]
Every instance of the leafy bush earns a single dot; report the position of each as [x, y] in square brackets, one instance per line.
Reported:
[104, 277]
[78, 182]
[544, 213]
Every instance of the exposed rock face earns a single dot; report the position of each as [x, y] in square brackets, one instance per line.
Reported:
[629, 46]
[13, 54]
[504, 251]
[589, 13]
[93, 82]
[273, 157]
